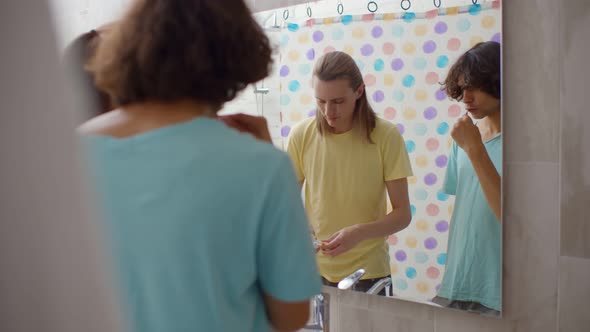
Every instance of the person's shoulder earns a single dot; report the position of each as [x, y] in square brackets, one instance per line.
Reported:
[497, 139]
[385, 130]
[494, 146]
[385, 125]
[246, 149]
[303, 128]
[262, 158]
[107, 124]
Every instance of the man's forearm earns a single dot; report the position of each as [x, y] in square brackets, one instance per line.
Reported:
[395, 221]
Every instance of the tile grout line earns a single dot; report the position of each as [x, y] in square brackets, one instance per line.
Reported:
[559, 166]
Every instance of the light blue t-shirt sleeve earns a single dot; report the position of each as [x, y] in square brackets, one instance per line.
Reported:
[450, 183]
[286, 259]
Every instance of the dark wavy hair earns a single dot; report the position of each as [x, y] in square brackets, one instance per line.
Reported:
[171, 50]
[478, 68]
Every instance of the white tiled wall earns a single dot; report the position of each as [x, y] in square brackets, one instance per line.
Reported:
[73, 17]
[53, 276]
[266, 105]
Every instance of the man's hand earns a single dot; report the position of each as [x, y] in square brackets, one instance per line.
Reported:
[317, 244]
[468, 138]
[341, 241]
[254, 125]
[467, 135]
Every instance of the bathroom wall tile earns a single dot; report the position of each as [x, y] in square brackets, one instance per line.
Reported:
[575, 129]
[394, 315]
[401, 308]
[382, 321]
[542, 319]
[383, 314]
[354, 299]
[334, 303]
[574, 292]
[262, 5]
[531, 226]
[446, 320]
[352, 319]
[531, 80]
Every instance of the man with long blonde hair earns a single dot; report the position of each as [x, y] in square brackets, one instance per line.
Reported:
[348, 159]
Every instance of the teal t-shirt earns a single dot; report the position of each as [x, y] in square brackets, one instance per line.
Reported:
[473, 269]
[201, 220]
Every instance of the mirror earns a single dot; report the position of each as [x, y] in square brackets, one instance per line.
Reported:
[450, 253]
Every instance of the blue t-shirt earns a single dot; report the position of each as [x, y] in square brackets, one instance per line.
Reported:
[473, 269]
[201, 220]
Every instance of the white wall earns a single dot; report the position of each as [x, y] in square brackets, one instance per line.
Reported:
[73, 17]
[52, 274]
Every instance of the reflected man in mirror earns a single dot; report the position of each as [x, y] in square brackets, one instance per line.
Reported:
[349, 160]
[473, 275]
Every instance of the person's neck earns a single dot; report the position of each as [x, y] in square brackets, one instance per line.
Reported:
[176, 111]
[491, 125]
[141, 117]
[343, 129]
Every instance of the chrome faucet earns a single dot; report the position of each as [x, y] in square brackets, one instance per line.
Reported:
[352, 279]
[379, 285]
[319, 318]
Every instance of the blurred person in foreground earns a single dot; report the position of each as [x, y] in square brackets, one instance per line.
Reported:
[205, 221]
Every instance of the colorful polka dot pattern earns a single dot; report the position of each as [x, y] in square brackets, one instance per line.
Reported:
[403, 57]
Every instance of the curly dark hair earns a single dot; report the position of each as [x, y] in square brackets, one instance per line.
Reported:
[171, 50]
[478, 68]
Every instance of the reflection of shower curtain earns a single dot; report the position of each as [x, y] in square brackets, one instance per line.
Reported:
[403, 58]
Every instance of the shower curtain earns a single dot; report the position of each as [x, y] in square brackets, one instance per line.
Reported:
[404, 57]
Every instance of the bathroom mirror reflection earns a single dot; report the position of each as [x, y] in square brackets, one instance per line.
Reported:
[443, 246]
[437, 128]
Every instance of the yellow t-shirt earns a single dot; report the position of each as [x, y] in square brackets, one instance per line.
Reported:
[345, 185]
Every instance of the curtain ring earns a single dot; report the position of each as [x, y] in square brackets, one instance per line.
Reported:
[406, 7]
[285, 14]
[439, 3]
[372, 6]
[309, 13]
[340, 8]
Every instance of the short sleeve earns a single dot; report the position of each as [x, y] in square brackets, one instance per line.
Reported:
[287, 265]
[296, 154]
[396, 161]
[450, 183]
